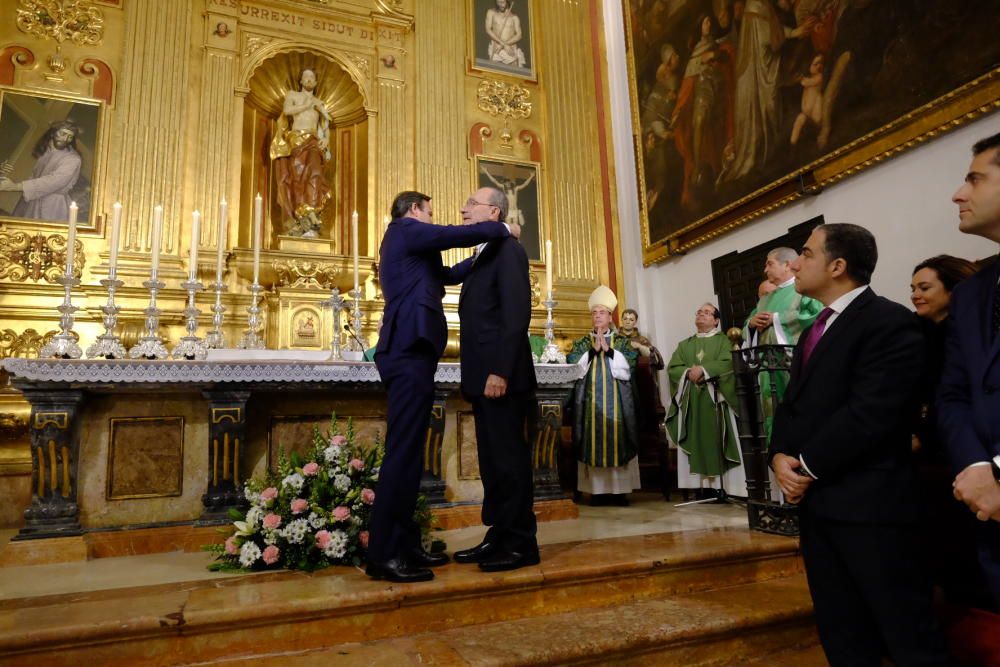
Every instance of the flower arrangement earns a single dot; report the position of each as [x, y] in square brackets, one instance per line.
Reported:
[312, 513]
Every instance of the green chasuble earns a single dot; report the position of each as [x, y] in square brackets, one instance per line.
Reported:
[604, 424]
[794, 314]
[694, 422]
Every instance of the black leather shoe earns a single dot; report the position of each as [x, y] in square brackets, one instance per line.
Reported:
[420, 558]
[477, 553]
[398, 570]
[509, 560]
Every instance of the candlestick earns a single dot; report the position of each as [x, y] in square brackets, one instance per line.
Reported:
[551, 353]
[195, 240]
[150, 345]
[191, 347]
[63, 345]
[116, 225]
[214, 339]
[108, 345]
[352, 344]
[335, 302]
[548, 268]
[251, 338]
[71, 238]
[354, 245]
[221, 241]
[258, 221]
[155, 246]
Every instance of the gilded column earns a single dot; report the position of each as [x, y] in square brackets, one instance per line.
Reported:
[150, 120]
[572, 178]
[392, 166]
[442, 168]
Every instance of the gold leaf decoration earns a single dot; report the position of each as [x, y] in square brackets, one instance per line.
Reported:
[503, 100]
[35, 257]
[294, 273]
[25, 345]
[75, 20]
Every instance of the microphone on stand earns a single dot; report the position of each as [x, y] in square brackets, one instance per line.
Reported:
[349, 329]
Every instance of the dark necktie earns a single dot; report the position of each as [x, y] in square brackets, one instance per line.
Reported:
[814, 334]
[995, 325]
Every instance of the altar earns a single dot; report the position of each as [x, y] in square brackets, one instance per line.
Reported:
[119, 444]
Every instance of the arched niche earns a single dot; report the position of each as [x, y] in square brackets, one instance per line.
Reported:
[344, 172]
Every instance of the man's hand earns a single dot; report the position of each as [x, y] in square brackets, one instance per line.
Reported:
[7, 185]
[761, 321]
[515, 229]
[696, 374]
[496, 386]
[976, 487]
[792, 484]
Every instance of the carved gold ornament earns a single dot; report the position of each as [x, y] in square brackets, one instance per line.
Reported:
[503, 100]
[35, 257]
[75, 20]
[25, 345]
[294, 273]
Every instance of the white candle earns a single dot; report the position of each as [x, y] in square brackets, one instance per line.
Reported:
[258, 222]
[155, 251]
[221, 241]
[548, 268]
[195, 239]
[354, 244]
[116, 225]
[71, 239]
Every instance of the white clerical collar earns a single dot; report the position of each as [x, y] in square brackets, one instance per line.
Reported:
[790, 281]
[708, 334]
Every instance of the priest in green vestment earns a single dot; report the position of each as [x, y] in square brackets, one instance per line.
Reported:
[779, 319]
[701, 420]
[604, 425]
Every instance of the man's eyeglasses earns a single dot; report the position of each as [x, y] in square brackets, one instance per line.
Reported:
[472, 202]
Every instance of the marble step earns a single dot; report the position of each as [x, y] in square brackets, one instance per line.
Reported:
[244, 616]
[767, 622]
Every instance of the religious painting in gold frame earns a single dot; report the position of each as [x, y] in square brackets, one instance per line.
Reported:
[741, 106]
[501, 38]
[519, 181]
[49, 152]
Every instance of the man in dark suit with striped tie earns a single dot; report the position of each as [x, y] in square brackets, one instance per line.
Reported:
[413, 336]
[969, 398]
[841, 448]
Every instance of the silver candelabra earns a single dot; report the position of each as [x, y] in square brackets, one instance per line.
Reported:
[353, 344]
[150, 345]
[252, 339]
[191, 346]
[63, 345]
[215, 339]
[108, 345]
[551, 354]
[336, 304]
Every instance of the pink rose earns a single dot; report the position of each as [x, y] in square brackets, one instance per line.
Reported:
[272, 521]
[363, 538]
[299, 505]
[268, 494]
[323, 538]
[367, 496]
[341, 513]
[270, 554]
[231, 547]
[357, 464]
[310, 469]
[338, 440]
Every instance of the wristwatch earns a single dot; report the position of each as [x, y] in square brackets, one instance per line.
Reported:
[995, 464]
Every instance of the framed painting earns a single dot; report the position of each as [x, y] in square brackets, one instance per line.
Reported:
[741, 106]
[501, 37]
[48, 149]
[519, 181]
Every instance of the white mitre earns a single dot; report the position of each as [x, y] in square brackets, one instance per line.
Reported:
[603, 296]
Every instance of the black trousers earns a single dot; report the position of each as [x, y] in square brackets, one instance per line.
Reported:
[408, 377]
[505, 469]
[870, 593]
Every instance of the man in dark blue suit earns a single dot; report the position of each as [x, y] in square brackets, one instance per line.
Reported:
[969, 396]
[841, 447]
[413, 336]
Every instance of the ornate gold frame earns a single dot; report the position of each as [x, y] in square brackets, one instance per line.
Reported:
[94, 224]
[952, 110]
[532, 74]
[111, 447]
[539, 204]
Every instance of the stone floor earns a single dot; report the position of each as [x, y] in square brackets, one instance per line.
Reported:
[648, 514]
